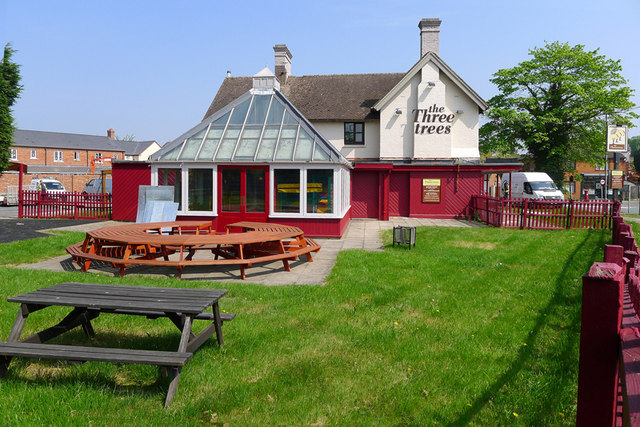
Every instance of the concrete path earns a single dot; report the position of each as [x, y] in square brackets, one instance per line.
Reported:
[361, 234]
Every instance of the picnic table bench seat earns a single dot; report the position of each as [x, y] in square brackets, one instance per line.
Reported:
[93, 354]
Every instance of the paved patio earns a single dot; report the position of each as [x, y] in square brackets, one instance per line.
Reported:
[361, 234]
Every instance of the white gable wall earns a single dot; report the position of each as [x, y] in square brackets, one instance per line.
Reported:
[429, 126]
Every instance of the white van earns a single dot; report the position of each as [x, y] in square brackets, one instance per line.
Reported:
[531, 185]
[95, 186]
[51, 185]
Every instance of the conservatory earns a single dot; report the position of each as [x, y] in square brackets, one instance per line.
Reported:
[257, 159]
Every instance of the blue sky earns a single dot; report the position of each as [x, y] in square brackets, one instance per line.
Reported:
[151, 68]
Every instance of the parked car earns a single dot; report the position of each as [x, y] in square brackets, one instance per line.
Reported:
[95, 186]
[531, 185]
[52, 185]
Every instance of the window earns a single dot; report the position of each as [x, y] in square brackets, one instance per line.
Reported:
[97, 155]
[320, 191]
[34, 154]
[287, 190]
[600, 166]
[172, 177]
[354, 133]
[57, 156]
[115, 156]
[76, 156]
[13, 154]
[200, 190]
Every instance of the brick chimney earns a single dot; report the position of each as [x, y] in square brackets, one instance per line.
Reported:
[111, 133]
[283, 62]
[429, 36]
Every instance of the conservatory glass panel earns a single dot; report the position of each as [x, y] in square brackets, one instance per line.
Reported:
[287, 190]
[286, 143]
[268, 144]
[228, 143]
[211, 143]
[289, 119]
[173, 178]
[320, 191]
[191, 146]
[239, 113]
[230, 197]
[255, 197]
[200, 189]
[258, 110]
[275, 113]
[320, 154]
[171, 155]
[222, 120]
[304, 150]
[248, 143]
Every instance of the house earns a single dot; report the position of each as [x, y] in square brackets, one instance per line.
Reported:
[588, 178]
[315, 151]
[72, 159]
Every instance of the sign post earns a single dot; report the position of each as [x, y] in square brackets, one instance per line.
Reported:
[617, 137]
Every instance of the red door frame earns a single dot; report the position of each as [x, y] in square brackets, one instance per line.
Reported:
[225, 218]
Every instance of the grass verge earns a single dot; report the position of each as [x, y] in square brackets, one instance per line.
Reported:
[473, 326]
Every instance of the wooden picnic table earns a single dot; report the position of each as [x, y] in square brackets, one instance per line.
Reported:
[147, 244]
[181, 306]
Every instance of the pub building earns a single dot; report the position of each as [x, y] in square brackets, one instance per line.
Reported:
[316, 151]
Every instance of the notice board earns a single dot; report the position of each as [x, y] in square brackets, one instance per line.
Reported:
[431, 190]
[617, 179]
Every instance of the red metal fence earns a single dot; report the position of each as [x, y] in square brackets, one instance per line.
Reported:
[75, 205]
[545, 214]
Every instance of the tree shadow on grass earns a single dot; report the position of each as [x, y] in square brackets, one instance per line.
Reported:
[559, 297]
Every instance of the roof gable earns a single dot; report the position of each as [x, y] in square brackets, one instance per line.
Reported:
[442, 66]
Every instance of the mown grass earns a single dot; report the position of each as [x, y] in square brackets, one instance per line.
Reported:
[475, 326]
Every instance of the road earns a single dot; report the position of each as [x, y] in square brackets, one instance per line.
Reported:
[8, 212]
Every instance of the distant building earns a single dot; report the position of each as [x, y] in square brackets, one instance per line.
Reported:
[67, 157]
[589, 178]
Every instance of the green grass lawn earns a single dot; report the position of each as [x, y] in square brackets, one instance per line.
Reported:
[475, 326]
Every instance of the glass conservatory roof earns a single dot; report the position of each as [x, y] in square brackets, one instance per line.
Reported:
[260, 126]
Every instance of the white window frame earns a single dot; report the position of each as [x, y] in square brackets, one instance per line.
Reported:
[13, 154]
[115, 156]
[57, 156]
[184, 175]
[97, 156]
[34, 154]
[76, 156]
[338, 211]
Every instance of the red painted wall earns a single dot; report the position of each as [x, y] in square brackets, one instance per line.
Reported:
[455, 196]
[399, 194]
[365, 194]
[126, 179]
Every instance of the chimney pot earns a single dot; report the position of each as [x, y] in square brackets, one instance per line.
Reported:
[429, 36]
[283, 58]
[111, 133]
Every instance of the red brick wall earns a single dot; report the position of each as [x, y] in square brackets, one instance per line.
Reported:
[70, 182]
[46, 156]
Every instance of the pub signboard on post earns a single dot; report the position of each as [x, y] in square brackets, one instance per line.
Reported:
[617, 138]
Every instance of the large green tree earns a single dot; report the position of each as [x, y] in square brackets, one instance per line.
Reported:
[554, 106]
[9, 90]
[634, 148]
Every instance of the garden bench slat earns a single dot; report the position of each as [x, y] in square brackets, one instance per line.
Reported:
[94, 354]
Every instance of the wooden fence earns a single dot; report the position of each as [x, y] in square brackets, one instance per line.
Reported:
[609, 370]
[545, 214]
[75, 205]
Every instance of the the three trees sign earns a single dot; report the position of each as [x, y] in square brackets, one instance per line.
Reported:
[555, 106]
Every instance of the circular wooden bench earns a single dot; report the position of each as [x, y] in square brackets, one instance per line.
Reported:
[148, 244]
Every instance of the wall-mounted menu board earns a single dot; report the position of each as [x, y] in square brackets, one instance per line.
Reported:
[431, 190]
